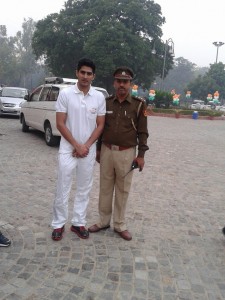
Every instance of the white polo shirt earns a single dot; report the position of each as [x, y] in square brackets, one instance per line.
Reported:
[82, 111]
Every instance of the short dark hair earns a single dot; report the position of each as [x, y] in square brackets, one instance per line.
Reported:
[86, 62]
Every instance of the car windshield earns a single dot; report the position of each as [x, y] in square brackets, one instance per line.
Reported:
[14, 93]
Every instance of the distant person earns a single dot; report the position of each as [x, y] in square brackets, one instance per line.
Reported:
[125, 129]
[80, 117]
[4, 242]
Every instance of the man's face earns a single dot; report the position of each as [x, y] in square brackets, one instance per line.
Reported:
[122, 86]
[85, 76]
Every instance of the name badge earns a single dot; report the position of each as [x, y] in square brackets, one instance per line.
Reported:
[109, 112]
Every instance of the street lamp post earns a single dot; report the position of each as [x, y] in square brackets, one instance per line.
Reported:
[169, 47]
[217, 44]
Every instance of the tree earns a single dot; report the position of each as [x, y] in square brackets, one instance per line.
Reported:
[18, 65]
[27, 64]
[179, 78]
[112, 33]
[213, 80]
[180, 75]
[8, 61]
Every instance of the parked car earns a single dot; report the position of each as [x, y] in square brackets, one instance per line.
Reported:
[220, 108]
[197, 104]
[11, 99]
[200, 104]
[39, 112]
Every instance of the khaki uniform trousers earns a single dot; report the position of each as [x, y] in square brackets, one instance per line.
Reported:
[114, 165]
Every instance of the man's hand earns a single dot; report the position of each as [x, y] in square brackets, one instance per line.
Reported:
[141, 163]
[80, 151]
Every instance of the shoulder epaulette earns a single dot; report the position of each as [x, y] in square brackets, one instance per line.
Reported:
[141, 100]
[138, 98]
[110, 97]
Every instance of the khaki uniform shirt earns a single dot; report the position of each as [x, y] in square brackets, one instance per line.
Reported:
[125, 124]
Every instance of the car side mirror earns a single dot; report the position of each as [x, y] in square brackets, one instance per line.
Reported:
[27, 97]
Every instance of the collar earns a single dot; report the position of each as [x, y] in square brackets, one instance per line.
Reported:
[128, 98]
[90, 92]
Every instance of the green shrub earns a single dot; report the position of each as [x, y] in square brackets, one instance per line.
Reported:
[163, 99]
[163, 110]
[213, 113]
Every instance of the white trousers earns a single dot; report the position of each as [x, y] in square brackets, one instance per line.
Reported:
[83, 168]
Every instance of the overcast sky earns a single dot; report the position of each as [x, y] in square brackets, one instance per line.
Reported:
[193, 25]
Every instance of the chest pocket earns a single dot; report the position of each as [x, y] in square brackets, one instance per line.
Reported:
[137, 115]
[92, 113]
[134, 116]
[131, 117]
[110, 118]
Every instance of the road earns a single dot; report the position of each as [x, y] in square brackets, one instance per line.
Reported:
[175, 214]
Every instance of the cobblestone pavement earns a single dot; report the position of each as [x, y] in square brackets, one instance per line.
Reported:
[175, 213]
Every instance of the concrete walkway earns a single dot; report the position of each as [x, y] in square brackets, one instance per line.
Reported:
[175, 213]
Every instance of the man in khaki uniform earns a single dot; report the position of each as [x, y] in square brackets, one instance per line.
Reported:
[125, 130]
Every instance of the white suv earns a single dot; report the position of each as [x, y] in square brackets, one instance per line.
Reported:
[39, 112]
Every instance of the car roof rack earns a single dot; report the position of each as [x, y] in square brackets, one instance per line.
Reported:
[60, 80]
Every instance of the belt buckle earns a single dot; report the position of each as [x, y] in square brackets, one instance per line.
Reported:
[115, 148]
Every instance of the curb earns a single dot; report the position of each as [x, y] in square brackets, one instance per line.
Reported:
[151, 114]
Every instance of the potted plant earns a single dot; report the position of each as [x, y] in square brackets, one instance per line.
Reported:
[177, 113]
[212, 114]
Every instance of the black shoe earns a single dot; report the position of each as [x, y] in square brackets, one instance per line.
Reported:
[81, 231]
[4, 242]
[223, 230]
[57, 234]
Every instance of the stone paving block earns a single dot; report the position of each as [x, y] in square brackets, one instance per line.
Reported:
[175, 213]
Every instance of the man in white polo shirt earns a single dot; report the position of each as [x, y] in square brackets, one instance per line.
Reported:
[80, 117]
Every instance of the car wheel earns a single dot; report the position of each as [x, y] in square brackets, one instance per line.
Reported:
[25, 128]
[50, 139]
